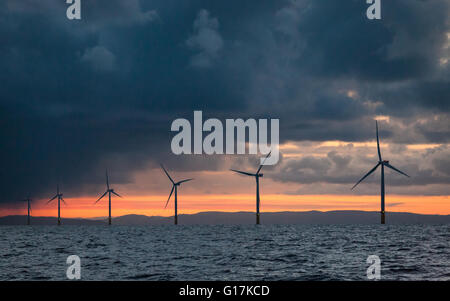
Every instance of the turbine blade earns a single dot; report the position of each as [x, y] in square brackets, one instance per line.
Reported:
[173, 187]
[378, 142]
[63, 201]
[367, 174]
[399, 171]
[243, 172]
[262, 164]
[101, 197]
[184, 181]
[167, 174]
[116, 194]
[107, 179]
[52, 198]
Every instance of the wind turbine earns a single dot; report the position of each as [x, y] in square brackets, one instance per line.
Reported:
[28, 200]
[174, 187]
[108, 191]
[59, 196]
[383, 163]
[257, 175]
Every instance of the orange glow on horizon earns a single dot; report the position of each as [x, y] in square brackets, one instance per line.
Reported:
[189, 204]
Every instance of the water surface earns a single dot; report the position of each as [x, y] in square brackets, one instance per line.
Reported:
[275, 252]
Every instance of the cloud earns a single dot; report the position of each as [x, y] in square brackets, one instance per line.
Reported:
[102, 92]
[118, 13]
[100, 58]
[346, 163]
[206, 40]
[115, 12]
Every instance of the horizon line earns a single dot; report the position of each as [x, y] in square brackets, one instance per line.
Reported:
[228, 212]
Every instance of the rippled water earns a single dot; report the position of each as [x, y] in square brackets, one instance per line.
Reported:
[225, 252]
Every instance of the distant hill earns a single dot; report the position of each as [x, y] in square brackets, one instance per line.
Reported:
[22, 220]
[245, 218]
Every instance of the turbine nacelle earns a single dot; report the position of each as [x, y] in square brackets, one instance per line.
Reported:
[108, 191]
[384, 162]
[58, 196]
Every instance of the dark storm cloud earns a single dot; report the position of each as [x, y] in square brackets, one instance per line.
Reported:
[206, 40]
[404, 45]
[79, 96]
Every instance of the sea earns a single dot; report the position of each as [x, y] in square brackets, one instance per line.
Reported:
[244, 253]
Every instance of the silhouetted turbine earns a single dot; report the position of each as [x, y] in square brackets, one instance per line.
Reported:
[383, 163]
[108, 191]
[174, 187]
[28, 200]
[257, 175]
[59, 196]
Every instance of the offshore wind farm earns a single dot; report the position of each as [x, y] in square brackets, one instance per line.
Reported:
[257, 175]
[317, 132]
[338, 231]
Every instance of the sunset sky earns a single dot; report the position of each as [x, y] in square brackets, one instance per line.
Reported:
[79, 97]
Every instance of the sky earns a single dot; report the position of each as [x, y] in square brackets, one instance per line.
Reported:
[82, 96]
